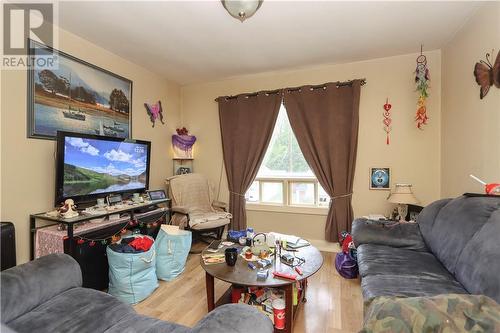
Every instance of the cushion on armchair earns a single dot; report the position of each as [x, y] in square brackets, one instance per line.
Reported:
[192, 195]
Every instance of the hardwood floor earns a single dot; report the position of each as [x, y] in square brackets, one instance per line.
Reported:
[333, 304]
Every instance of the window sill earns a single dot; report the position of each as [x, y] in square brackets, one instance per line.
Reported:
[287, 209]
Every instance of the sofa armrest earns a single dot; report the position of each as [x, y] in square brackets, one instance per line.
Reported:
[390, 233]
[28, 285]
[180, 209]
[234, 318]
[220, 204]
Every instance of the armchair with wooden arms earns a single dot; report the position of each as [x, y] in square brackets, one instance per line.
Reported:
[193, 207]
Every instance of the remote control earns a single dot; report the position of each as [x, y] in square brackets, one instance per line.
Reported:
[215, 245]
[288, 276]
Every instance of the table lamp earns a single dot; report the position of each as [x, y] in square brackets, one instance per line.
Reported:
[402, 195]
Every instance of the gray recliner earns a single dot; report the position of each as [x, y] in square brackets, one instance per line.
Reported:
[46, 295]
[453, 248]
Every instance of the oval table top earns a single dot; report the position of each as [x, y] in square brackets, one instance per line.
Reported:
[241, 274]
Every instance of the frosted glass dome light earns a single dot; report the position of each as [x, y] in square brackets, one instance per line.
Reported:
[241, 9]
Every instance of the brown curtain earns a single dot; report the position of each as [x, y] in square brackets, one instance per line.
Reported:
[247, 123]
[325, 121]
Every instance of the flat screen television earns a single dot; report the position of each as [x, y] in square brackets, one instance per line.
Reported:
[92, 166]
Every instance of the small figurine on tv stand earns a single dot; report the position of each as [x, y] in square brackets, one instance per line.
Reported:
[68, 209]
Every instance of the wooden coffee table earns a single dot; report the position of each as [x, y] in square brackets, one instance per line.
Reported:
[242, 275]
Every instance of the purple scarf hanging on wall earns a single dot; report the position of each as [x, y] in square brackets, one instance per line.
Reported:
[183, 142]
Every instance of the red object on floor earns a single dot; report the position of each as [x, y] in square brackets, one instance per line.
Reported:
[345, 244]
[141, 243]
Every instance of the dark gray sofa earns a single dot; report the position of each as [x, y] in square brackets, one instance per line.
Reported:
[45, 295]
[453, 248]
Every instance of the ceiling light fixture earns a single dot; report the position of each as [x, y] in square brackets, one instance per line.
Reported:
[241, 9]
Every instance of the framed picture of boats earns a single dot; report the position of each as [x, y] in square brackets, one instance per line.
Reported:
[76, 96]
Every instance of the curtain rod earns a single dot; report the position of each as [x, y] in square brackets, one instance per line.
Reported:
[277, 91]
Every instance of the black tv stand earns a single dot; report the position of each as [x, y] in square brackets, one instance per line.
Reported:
[94, 262]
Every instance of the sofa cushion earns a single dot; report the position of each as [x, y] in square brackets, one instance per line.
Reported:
[455, 225]
[75, 310]
[391, 233]
[26, 286]
[427, 216]
[234, 318]
[143, 324]
[478, 268]
[386, 260]
[409, 286]
[442, 313]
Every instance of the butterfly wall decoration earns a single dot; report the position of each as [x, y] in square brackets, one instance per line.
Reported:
[487, 74]
[155, 112]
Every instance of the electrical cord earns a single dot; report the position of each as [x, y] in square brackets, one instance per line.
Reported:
[297, 261]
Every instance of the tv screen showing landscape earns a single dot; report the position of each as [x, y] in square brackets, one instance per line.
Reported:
[97, 166]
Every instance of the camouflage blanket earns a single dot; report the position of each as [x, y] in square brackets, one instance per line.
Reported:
[451, 313]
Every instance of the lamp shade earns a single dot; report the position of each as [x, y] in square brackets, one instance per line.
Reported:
[402, 194]
[241, 9]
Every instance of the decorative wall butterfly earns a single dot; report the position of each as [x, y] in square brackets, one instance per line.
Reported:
[155, 112]
[487, 74]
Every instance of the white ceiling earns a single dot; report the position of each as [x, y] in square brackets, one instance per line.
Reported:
[194, 41]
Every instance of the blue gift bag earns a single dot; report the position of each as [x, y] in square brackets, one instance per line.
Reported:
[132, 276]
[172, 249]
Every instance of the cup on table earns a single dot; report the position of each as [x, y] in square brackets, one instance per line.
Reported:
[242, 241]
[136, 197]
[279, 313]
[231, 255]
[100, 202]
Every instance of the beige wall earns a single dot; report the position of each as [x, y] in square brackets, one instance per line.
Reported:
[28, 165]
[413, 155]
[436, 160]
[470, 126]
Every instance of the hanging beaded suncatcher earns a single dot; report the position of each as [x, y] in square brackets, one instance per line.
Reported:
[387, 119]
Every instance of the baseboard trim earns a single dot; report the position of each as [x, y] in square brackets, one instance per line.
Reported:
[325, 246]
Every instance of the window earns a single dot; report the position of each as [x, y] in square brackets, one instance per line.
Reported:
[284, 178]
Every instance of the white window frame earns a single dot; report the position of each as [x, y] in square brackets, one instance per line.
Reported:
[287, 206]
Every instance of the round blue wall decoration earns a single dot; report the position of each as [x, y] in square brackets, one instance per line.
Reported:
[380, 178]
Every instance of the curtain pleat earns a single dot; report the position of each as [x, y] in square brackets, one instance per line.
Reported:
[247, 123]
[325, 121]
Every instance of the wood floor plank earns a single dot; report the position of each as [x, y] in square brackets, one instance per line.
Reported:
[333, 304]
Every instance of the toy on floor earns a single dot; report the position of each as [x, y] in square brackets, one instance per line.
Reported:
[346, 262]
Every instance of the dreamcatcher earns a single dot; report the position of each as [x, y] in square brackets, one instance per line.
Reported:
[422, 81]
